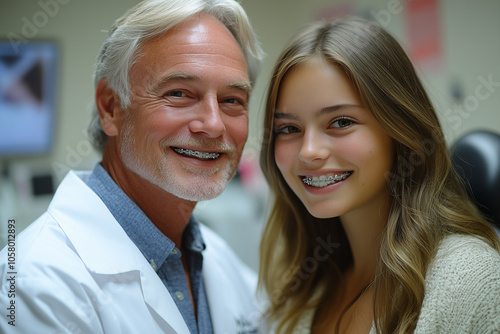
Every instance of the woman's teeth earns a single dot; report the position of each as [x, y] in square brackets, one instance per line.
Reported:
[324, 180]
[197, 154]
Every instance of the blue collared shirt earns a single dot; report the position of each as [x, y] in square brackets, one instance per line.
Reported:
[160, 251]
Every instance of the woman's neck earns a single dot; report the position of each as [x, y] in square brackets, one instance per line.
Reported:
[364, 229]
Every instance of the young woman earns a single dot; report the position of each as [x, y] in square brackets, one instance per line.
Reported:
[371, 230]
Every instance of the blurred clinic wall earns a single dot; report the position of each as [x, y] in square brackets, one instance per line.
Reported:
[461, 69]
[454, 43]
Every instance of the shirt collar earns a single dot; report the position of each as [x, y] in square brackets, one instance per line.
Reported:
[192, 239]
[152, 243]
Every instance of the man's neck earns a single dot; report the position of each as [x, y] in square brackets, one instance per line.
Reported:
[169, 213]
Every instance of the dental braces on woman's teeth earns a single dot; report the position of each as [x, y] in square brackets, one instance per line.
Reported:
[324, 181]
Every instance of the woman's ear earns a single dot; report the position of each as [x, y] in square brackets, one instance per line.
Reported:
[108, 104]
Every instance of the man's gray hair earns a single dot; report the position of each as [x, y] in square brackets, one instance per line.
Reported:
[151, 18]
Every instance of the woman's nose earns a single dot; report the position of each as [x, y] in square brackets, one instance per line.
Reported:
[315, 147]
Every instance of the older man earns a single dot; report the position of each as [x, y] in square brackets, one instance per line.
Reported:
[117, 250]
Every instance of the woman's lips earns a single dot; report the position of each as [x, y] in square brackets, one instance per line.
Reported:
[325, 180]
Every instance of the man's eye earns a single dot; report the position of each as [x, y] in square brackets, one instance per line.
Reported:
[343, 122]
[230, 101]
[234, 101]
[175, 93]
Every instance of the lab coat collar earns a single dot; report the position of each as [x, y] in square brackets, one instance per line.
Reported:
[98, 238]
[104, 246]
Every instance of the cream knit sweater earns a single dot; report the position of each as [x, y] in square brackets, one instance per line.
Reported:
[462, 290]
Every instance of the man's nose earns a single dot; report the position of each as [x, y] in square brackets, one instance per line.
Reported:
[208, 119]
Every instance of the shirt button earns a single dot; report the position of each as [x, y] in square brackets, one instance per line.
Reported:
[173, 251]
[153, 264]
[179, 295]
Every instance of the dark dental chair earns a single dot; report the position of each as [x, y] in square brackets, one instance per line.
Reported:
[476, 157]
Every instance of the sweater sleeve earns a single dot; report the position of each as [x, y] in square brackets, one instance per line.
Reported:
[462, 289]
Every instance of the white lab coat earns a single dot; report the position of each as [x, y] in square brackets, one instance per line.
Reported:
[76, 271]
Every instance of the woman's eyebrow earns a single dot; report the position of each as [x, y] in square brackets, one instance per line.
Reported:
[325, 110]
[282, 115]
[336, 108]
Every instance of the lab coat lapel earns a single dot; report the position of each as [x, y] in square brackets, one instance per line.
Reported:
[229, 286]
[106, 249]
[218, 300]
[161, 302]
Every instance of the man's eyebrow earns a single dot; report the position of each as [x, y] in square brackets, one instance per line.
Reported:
[173, 76]
[322, 111]
[243, 85]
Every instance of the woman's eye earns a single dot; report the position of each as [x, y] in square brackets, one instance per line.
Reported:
[342, 123]
[287, 129]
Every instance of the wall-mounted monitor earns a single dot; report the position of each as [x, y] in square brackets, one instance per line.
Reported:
[28, 86]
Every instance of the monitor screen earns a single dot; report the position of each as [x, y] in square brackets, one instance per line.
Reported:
[28, 74]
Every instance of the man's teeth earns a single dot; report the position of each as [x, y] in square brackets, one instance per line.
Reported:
[323, 180]
[197, 154]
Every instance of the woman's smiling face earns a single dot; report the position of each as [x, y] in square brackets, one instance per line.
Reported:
[331, 151]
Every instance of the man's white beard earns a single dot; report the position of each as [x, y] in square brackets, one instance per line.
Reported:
[204, 184]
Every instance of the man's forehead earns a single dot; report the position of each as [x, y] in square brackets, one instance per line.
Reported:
[197, 35]
[199, 29]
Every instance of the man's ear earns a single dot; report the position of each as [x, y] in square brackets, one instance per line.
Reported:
[108, 107]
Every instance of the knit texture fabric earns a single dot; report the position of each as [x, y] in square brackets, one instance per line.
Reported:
[462, 290]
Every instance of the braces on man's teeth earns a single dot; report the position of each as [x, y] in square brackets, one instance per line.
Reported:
[197, 154]
[324, 181]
